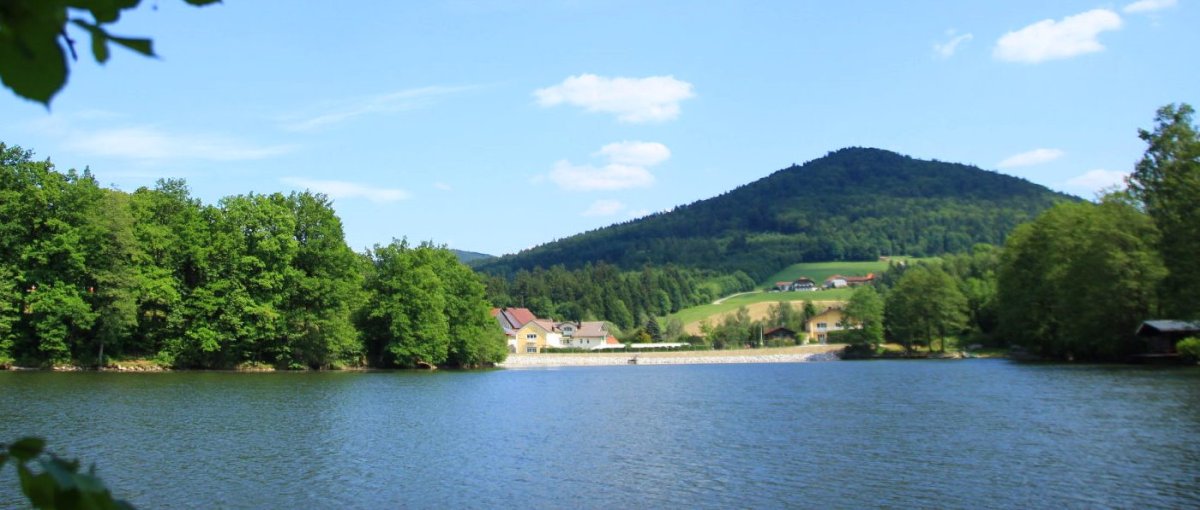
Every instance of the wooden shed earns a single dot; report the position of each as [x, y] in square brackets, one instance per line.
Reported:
[1160, 336]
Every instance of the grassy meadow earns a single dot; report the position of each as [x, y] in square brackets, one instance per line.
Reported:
[759, 301]
[819, 271]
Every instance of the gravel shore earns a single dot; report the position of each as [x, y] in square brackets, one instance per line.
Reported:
[800, 354]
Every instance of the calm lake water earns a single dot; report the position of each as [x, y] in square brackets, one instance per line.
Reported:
[900, 434]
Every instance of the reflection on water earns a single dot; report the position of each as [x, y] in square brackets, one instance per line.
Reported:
[965, 434]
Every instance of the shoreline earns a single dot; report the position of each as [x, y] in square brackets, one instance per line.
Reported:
[797, 354]
[793, 354]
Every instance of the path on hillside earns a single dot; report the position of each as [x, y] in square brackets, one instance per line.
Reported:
[722, 300]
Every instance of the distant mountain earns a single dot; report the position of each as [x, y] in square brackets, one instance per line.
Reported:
[471, 258]
[852, 204]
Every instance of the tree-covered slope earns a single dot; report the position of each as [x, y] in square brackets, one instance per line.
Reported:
[852, 204]
[471, 258]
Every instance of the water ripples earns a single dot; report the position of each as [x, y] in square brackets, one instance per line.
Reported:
[967, 434]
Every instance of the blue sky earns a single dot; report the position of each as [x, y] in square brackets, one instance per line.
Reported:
[495, 125]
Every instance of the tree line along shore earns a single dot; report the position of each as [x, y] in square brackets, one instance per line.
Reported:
[95, 276]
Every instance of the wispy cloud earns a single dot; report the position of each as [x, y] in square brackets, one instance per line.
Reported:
[948, 48]
[1144, 6]
[442, 186]
[1051, 40]
[347, 190]
[606, 178]
[153, 144]
[109, 134]
[1031, 158]
[635, 153]
[604, 208]
[633, 100]
[625, 168]
[1096, 180]
[391, 102]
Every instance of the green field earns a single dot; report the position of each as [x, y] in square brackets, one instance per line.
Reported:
[819, 271]
[696, 313]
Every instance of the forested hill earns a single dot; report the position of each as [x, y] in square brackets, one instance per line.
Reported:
[852, 204]
[472, 258]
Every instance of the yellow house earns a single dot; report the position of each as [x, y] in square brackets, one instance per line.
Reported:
[536, 335]
[821, 324]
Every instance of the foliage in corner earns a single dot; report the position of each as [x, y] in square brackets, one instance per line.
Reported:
[34, 42]
[1189, 348]
[50, 482]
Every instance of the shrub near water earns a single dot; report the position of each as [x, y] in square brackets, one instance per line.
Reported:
[1189, 348]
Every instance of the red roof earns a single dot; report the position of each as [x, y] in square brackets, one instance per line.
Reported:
[519, 316]
[612, 340]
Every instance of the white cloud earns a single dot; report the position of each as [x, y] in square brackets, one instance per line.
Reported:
[626, 168]
[606, 178]
[1033, 157]
[1143, 6]
[635, 100]
[604, 208]
[1051, 40]
[344, 189]
[947, 49]
[638, 213]
[1095, 180]
[151, 144]
[392, 102]
[635, 153]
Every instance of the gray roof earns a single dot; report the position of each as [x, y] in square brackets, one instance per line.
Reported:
[1168, 326]
[592, 329]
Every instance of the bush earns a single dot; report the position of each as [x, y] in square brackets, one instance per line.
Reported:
[841, 336]
[860, 351]
[1189, 348]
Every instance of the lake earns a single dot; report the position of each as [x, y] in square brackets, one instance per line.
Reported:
[901, 434]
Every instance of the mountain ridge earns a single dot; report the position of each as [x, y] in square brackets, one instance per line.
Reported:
[851, 204]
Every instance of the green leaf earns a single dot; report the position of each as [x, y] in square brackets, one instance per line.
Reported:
[33, 67]
[143, 46]
[108, 11]
[99, 49]
[60, 471]
[26, 448]
[99, 40]
[39, 489]
[88, 483]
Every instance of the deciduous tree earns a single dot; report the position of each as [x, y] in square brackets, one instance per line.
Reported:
[1167, 181]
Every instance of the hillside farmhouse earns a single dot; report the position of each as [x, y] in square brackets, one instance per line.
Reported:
[838, 281]
[802, 283]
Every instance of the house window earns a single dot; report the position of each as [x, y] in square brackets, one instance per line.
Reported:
[822, 326]
[531, 336]
[531, 349]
